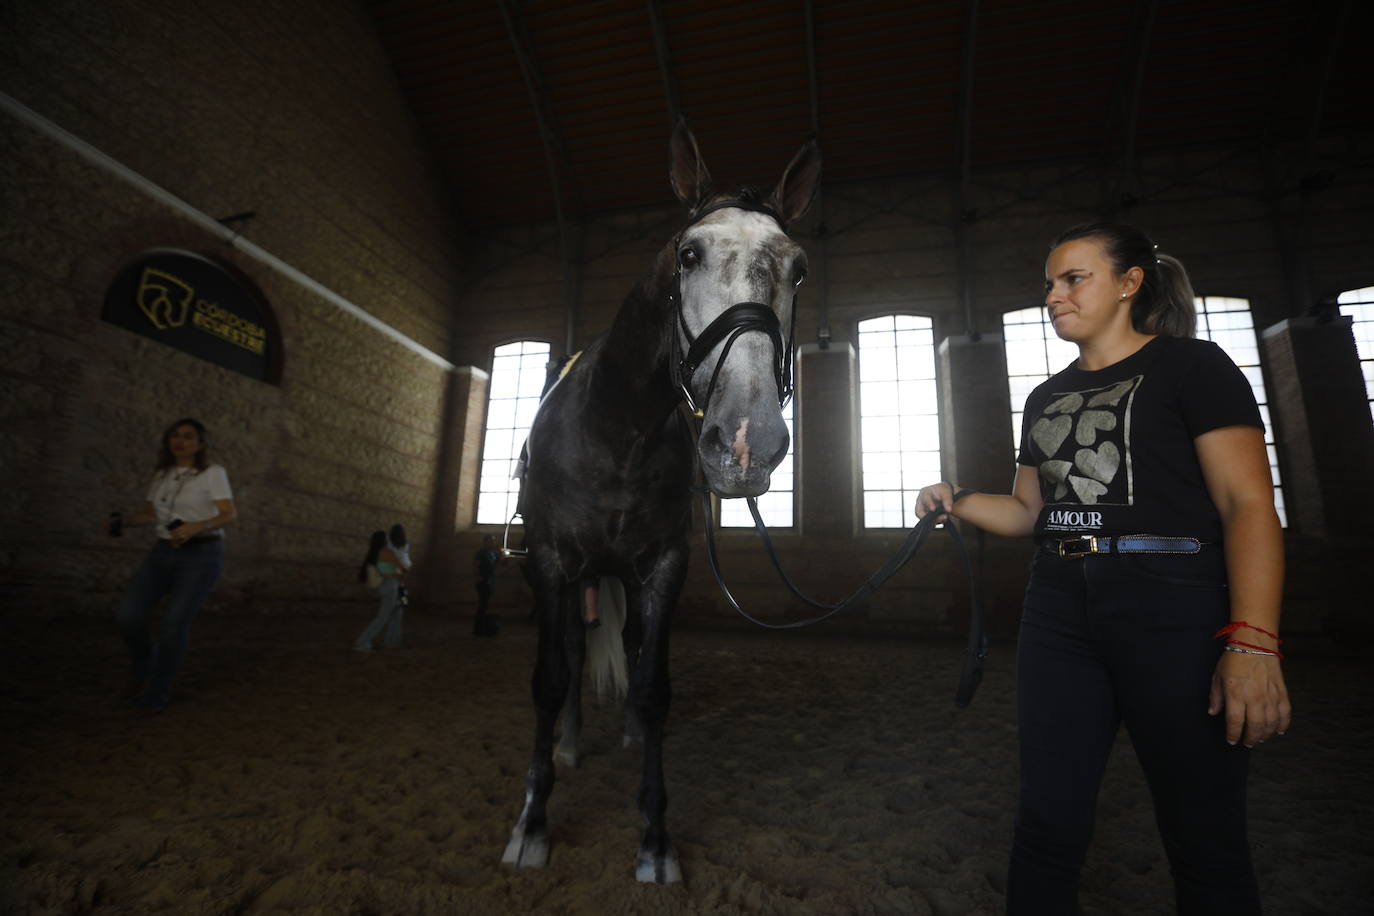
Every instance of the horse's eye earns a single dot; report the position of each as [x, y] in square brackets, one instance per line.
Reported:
[801, 275]
[688, 257]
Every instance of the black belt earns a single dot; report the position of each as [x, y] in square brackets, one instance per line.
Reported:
[198, 539]
[1079, 547]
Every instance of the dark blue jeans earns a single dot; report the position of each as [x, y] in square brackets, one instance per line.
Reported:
[185, 575]
[1127, 638]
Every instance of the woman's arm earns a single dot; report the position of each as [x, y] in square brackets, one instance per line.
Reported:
[226, 514]
[1009, 516]
[1250, 688]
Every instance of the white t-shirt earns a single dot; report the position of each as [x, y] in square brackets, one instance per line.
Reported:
[189, 495]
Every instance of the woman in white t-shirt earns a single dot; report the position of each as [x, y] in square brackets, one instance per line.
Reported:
[189, 503]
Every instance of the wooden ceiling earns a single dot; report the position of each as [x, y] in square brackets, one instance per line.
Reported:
[535, 107]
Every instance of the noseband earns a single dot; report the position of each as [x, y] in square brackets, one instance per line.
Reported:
[738, 319]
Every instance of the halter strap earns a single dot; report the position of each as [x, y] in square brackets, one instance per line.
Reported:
[737, 203]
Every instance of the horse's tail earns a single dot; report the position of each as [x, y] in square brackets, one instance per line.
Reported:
[605, 644]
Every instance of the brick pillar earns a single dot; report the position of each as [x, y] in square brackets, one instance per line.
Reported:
[976, 429]
[455, 489]
[826, 440]
[1325, 440]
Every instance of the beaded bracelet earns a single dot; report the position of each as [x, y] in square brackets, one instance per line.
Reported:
[957, 494]
[1235, 645]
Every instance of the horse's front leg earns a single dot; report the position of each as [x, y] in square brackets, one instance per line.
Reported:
[650, 697]
[529, 843]
[632, 638]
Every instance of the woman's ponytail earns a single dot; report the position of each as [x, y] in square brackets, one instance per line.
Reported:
[1166, 307]
[374, 549]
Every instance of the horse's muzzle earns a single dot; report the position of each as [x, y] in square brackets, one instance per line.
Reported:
[740, 462]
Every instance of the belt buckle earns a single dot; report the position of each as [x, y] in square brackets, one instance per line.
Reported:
[1077, 548]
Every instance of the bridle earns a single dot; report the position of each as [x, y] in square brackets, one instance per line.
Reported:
[742, 318]
[738, 319]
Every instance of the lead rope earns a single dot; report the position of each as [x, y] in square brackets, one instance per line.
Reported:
[976, 647]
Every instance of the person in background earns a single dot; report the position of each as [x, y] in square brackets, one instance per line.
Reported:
[396, 540]
[484, 572]
[382, 566]
[1154, 593]
[189, 502]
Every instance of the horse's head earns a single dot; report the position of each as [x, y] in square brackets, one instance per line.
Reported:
[737, 272]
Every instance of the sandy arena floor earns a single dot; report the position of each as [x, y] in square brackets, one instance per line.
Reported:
[807, 775]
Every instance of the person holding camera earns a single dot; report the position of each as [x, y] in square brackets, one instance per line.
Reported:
[189, 503]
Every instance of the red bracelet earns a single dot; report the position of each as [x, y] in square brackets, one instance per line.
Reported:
[1233, 627]
[1249, 645]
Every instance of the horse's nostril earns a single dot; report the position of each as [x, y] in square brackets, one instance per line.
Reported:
[780, 453]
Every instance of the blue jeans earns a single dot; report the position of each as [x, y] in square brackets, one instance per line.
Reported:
[388, 618]
[1126, 638]
[186, 576]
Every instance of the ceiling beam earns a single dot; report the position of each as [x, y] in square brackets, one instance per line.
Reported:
[968, 213]
[811, 67]
[821, 260]
[1125, 197]
[560, 172]
[665, 60]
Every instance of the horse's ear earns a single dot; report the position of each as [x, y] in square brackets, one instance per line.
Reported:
[691, 181]
[799, 183]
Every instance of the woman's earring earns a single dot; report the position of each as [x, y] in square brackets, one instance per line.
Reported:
[1123, 295]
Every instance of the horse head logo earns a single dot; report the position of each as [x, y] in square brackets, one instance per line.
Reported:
[165, 299]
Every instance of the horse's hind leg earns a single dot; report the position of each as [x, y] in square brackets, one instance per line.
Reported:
[575, 651]
[529, 840]
[650, 696]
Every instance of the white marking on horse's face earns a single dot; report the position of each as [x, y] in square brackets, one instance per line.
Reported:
[743, 256]
[735, 256]
[741, 449]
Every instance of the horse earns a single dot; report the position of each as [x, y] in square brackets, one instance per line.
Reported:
[607, 488]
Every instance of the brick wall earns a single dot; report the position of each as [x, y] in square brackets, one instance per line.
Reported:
[893, 246]
[288, 110]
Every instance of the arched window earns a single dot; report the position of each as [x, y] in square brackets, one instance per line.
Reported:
[899, 423]
[1034, 353]
[776, 505]
[1226, 321]
[1359, 305]
[517, 379]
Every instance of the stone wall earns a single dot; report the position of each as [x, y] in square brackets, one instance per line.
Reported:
[289, 110]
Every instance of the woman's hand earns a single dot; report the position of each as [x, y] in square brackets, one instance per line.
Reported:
[1251, 690]
[938, 497]
[185, 531]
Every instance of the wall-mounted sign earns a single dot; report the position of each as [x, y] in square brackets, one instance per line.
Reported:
[198, 305]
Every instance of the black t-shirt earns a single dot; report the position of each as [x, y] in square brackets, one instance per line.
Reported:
[1114, 447]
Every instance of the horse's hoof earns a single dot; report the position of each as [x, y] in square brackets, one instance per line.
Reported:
[658, 869]
[526, 850]
[567, 757]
